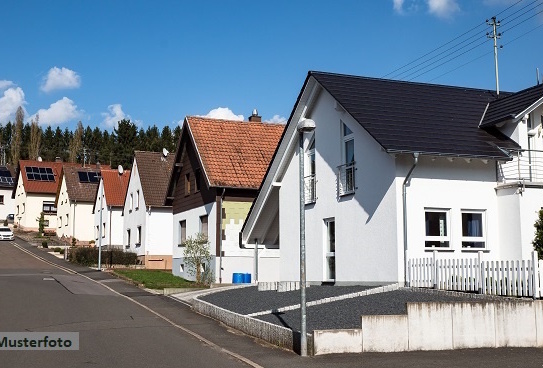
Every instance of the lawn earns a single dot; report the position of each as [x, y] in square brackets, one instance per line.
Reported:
[155, 279]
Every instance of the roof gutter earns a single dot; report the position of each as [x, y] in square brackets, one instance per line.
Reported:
[404, 197]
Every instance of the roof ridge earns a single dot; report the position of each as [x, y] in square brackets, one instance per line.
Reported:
[313, 72]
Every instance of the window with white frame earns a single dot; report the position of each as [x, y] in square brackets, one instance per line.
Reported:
[138, 235]
[48, 208]
[67, 219]
[128, 238]
[103, 230]
[137, 199]
[203, 225]
[182, 232]
[347, 169]
[330, 250]
[310, 180]
[473, 229]
[1, 199]
[437, 228]
[131, 202]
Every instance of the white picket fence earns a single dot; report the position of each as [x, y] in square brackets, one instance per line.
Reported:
[523, 278]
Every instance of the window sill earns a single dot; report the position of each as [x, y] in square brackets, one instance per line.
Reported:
[475, 250]
[137, 244]
[431, 249]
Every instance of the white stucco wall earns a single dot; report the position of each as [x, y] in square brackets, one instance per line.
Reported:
[9, 203]
[112, 232]
[452, 186]
[192, 218]
[365, 222]
[30, 207]
[156, 222]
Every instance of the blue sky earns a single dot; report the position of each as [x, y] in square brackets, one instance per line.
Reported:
[158, 61]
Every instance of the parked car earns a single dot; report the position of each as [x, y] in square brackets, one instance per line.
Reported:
[6, 233]
[10, 218]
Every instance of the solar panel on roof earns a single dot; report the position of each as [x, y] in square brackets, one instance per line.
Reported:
[88, 176]
[5, 173]
[39, 173]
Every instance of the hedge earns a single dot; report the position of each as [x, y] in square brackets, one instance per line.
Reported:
[89, 257]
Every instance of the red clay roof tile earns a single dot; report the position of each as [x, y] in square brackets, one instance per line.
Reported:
[115, 186]
[234, 153]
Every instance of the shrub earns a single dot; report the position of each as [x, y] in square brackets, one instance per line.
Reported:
[56, 249]
[62, 251]
[538, 239]
[89, 257]
[74, 240]
[41, 223]
[44, 244]
[197, 258]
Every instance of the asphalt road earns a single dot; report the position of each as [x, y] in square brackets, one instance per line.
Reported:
[123, 326]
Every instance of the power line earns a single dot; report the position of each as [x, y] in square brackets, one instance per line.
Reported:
[456, 47]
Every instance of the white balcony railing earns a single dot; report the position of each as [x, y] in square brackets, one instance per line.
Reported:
[526, 166]
[346, 179]
[310, 189]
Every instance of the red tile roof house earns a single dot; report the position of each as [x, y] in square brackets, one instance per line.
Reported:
[7, 183]
[75, 201]
[108, 206]
[219, 165]
[147, 220]
[35, 191]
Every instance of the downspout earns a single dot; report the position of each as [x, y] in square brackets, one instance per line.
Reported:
[73, 221]
[220, 236]
[109, 245]
[404, 197]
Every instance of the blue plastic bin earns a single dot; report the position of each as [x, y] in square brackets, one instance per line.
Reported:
[237, 278]
[246, 278]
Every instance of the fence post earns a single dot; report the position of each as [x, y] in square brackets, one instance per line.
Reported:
[407, 264]
[434, 271]
[535, 275]
[479, 279]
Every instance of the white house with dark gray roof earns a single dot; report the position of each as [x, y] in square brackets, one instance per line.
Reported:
[397, 170]
[7, 203]
[147, 221]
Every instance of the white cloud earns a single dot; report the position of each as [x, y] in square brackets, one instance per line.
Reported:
[4, 84]
[398, 6]
[63, 78]
[276, 119]
[59, 112]
[223, 113]
[11, 100]
[443, 8]
[405, 7]
[113, 116]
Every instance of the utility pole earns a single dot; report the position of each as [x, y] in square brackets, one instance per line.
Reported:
[495, 24]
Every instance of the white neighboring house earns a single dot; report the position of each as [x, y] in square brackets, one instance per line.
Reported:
[75, 202]
[219, 165]
[7, 183]
[109, 202]
[448, 153]
[147, 221]
[35, 192]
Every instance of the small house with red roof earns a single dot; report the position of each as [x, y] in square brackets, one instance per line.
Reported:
[75, 201]
[7, 183]
[147, 220]
[218, 168]
[108, 207]
[35, 192]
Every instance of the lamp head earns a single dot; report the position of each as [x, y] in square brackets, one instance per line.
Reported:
[306, 126]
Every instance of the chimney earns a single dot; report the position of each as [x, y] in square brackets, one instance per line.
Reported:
[58, 159]
[255, 118]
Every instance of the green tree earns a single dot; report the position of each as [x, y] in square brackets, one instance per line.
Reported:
[538, 239]
[197, 259]
[41, 223]
[153, 139]
[17, 136]
[166, 139]
[124, 143]
[48, 144]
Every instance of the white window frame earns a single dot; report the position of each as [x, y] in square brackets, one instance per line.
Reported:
[2, 199]
[131, 202]
[476, 239]
[202, 225]
[441, 238]
[137, 199]
[327, 253]
[138, 235]
[346, 187]
[182, 232]
[67, 219]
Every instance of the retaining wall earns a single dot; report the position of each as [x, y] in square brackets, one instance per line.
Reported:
[274, 334]
[441, 326]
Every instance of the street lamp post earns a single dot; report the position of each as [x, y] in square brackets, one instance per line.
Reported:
[304, 126]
